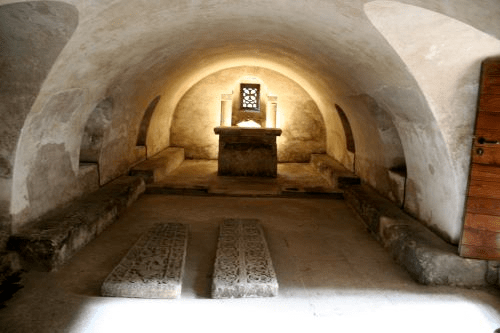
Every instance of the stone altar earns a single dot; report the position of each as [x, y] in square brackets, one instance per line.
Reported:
[247, 151]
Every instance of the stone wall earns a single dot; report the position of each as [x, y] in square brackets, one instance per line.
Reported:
[32, 34]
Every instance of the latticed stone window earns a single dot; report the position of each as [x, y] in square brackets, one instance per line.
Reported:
[250, 97]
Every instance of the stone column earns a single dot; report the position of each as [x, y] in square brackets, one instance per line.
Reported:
[272, 106]
[226, 108]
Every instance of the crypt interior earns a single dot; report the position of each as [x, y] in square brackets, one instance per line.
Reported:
[344, 127]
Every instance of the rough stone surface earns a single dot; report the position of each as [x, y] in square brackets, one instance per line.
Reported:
[243, 266]
[334, 172]
[154, 267]
[10, 265]
[247, 151]
[48, 242]
[159, 166]
[426, 257]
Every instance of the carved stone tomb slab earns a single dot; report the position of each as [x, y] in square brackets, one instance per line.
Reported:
[243, 266]
[154, 267]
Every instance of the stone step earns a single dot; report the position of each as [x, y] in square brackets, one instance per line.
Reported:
[427, 258]
[334, 172]
[243, 265]
[49, 242]
[245, 186]
[156, 168]
[154, 267]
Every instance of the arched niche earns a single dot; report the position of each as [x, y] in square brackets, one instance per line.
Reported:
[146, 120]
[93, 134]
[349, 138]
[198, 112]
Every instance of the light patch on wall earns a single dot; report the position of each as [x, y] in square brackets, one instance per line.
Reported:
[249, 123]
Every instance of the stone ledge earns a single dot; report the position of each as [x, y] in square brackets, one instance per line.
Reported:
[49, 242]
[334, 172]
[160, 165]
[426, 257]
[9, 265]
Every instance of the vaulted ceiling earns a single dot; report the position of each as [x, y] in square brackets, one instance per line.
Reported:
[405, 73]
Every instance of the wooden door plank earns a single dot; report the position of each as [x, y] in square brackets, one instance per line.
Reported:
[483, 206]
[483, 238]
[489, 134]
[479, 252]
[481, 232]
[490, 102]
[490, 78]
[492, 87]
[490, 154]
[485, 173]
[488, 120]
[483, 222]
[491, 69]
[484, 189]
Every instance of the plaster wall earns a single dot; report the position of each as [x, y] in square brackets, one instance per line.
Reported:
[32, 34]
[444, 55]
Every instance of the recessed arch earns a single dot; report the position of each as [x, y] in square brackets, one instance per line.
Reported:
[349, 138]
[146, 120]
[198, 112]
[93, 134]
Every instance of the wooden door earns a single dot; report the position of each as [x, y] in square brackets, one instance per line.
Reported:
[481, 233]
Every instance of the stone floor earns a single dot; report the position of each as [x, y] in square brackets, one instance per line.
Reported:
[292, 177]
[333, 277]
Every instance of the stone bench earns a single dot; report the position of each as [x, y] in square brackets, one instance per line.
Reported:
[160, 165]
[49, 242]
[426, 257]
[154, 266]
[334, 172]
[243, 266]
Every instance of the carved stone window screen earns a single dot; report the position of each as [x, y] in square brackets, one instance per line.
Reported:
[250, 97]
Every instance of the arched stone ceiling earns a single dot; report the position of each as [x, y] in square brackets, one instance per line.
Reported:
[133, 51]
[444, 55]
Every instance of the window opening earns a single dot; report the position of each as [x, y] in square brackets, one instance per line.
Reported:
[250, 97]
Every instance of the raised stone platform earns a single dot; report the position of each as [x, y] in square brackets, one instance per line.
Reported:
[426, 257]
[156, 168]
[247, 151]
[243, 266]
[154, 267]
[334, 172]
[52, 240]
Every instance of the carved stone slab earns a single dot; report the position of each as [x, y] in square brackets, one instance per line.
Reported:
[154, 267]
[243, 266]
